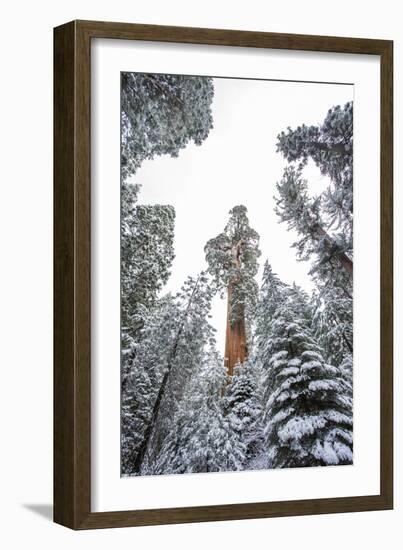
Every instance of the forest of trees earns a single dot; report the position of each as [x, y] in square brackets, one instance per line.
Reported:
[281, 395]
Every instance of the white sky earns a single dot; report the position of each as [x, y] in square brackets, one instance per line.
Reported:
[238, 164]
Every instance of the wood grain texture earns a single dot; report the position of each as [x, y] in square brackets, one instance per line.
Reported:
[72, 264]
[72, 296]
[64, 382]
[221, 37]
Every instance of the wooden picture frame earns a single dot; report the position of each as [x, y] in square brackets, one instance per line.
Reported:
[72, 269]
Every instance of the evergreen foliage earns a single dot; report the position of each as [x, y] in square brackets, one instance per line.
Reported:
[232, 257]
[147, 235]
[324, 224]
[330, 254]
[308, 403]
[202, 438]
[242, 404]
[161, 114]
[170, 350]
[142, 374]
[333, 323]
[330, 146]
[288, 402]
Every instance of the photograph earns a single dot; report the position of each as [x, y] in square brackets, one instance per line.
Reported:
[236, 274]
[200, 337]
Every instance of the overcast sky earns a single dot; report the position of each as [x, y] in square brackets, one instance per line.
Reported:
[238, 164]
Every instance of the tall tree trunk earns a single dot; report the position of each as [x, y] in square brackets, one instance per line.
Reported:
[235, 339]
[140, 455]
[344, 260]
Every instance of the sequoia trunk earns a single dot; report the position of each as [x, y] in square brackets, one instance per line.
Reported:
[235, 340]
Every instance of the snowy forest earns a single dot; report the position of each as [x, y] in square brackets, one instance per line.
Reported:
[280, 392]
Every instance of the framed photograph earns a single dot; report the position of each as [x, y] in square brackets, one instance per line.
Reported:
[222, 275]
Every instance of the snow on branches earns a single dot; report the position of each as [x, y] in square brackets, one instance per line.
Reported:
[282, 394]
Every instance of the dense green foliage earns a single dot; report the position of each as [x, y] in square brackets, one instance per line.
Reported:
[202, 437]
[232, 257]
[330, 146]
[324, 224]
[161, 114]
[147, 234]
[307, 403]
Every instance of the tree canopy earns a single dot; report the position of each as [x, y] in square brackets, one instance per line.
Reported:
[161, 114]
[232, 257]
[330, 146]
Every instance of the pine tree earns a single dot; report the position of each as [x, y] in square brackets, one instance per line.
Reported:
[147, 252]
[308, 403]
[202, 438]
[330, 146]
[161, 114]
[147, 234]
[324, 224]
[330, 252]
[170, 350]
[242, 404]
[143, 372]
[333, 321]
[193, 334]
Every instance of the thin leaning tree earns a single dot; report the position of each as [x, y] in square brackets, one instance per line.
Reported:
[232, 261]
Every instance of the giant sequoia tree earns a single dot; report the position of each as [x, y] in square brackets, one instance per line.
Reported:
[232, 260]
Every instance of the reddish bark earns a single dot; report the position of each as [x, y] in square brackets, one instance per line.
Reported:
[236, 350]
[235, 339]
